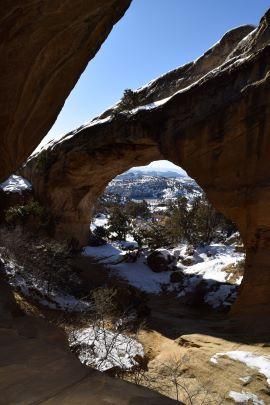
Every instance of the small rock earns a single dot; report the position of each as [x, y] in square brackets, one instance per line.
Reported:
[190, 250]
[188, 261]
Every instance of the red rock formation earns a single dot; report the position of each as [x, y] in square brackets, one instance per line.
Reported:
[45, 46]
[216, 129]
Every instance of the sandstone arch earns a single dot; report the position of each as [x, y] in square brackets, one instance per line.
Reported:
[217, 129]
[45, 46]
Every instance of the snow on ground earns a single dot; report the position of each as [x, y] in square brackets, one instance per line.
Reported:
[211, 259]
[104, 349]
[37, 289]
[209, 262]
[260, 363]
[208, 266]
[137, 274]
[104, 252]
[247, 379]
[245, 398]
[220, 297]
[141, 276]
[161, 208]
[100, 220]
[15, 184]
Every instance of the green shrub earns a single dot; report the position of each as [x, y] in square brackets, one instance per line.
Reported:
[129, 101]
[119, 223]
[41, 160]
[21, 212]
[155, 236]
[137, 209]
[197, 222]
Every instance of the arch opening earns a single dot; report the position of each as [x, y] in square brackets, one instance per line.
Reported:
[159, 233]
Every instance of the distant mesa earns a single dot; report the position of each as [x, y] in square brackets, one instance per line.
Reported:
[152, 173]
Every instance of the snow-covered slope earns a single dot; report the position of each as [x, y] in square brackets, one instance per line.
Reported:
[209, 267]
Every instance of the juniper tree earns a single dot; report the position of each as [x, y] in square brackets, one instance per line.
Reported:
[119, 222]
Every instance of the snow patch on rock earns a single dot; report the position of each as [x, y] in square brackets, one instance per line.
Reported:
[260, 363]
[245, 398]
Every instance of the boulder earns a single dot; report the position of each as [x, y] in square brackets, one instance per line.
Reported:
[187, 261]
[234, 239]
[161, 260]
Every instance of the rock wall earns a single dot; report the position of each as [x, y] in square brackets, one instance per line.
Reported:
[45, 46]
[217, 129]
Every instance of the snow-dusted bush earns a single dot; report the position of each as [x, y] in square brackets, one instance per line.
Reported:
[107, 343]
[105, 349]
[137, 209]
[45, 272]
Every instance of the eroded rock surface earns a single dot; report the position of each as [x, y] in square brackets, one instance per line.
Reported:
[36, 366]
[44, 46]
[217, 129]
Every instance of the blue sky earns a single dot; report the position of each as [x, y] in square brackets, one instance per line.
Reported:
[154, 36]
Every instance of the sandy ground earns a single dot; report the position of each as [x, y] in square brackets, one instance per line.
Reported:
[176, 333]
[37, 367]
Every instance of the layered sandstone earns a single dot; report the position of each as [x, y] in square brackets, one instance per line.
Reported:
[44, 46]
[217, 129]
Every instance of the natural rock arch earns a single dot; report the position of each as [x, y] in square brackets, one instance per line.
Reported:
[216, 129]
[45, 46]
